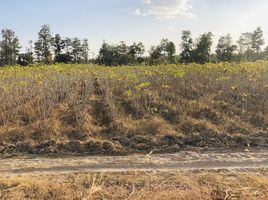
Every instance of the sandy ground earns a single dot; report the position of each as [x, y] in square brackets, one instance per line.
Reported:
[190, 160]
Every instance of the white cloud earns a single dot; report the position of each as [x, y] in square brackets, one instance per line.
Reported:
[165, 9]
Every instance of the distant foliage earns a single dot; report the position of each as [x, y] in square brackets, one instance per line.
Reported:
[49, 49]
[163, 53]
[120, 54]
[226, 49]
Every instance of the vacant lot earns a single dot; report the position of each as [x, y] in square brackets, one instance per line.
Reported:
[122, 110]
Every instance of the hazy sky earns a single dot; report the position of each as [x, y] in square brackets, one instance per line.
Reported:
[133, 20]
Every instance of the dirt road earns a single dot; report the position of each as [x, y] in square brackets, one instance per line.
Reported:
[180, 161]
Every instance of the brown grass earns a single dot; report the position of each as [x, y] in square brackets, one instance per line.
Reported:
[138, 186]
[55, 109]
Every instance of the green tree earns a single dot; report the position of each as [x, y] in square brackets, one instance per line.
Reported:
[257, 40]
[9, 47]
[44, 44]
[168, 50]
[62, 49]
[77, 50]
[120, 54]
[201, 53]
[85, 51]
[68, 45]
[245, 45]
[106, 55]
[225, 49]
[135, 53]
[187, 47]
[59, 45]
[163, 53]
[155, 55]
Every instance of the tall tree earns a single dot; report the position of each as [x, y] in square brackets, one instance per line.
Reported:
[106, 55]
[155, 55]
[225, 49]
[120, 53]
[76, 50]
[68, 45]
[168, 50]
[257, 40]
[245, 45]
[163, 53]
[85, 51]
[59, 45]
[135, 52]
[203, 48]
[61, 50]
[43, 45]
[187, 47]
[9, 47]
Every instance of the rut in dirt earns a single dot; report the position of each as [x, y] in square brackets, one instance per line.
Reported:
[180, 161]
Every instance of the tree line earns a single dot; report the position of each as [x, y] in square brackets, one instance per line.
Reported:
[49, 49]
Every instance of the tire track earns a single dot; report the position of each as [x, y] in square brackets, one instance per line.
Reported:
[180, 161]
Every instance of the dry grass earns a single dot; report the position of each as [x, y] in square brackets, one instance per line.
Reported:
[138, 185]
[45, 187]
[53, 109]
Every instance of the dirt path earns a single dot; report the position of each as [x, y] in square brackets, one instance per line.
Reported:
[180, 161]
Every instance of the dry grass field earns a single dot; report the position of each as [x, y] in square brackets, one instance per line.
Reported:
[81, 109]
[121, 110]
[222, 185]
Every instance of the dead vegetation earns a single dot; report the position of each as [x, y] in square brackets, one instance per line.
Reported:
[91, 109]
[138, 185]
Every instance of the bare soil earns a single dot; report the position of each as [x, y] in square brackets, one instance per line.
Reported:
[187, 160]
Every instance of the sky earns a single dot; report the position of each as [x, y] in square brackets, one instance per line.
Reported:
[147, 21]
